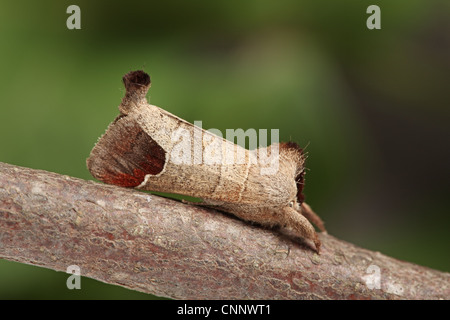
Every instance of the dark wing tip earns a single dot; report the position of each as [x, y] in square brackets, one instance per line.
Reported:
[136, 80]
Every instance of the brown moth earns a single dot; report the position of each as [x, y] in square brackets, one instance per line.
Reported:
[143, 148]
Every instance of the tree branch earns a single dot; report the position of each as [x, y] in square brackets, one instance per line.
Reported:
[167, 248]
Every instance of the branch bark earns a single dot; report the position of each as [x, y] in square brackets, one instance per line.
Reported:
[163, 247]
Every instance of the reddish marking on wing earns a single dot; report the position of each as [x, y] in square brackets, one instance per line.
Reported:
[125, 155]
[125, 179]
[153, 163]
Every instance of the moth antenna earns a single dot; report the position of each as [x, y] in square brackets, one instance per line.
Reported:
[307, 145]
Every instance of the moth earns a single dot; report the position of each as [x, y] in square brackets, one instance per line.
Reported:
[142, 149]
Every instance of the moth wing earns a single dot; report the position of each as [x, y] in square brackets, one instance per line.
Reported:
[219, 170]
[125, 154]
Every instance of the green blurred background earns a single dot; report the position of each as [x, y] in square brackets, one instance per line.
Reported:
[372, 106]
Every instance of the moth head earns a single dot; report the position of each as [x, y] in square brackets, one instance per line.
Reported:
[295, 155]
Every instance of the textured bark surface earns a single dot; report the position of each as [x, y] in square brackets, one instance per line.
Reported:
[170, 249]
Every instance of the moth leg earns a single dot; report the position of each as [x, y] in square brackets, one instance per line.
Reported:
[309, 214]
[301, 225]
